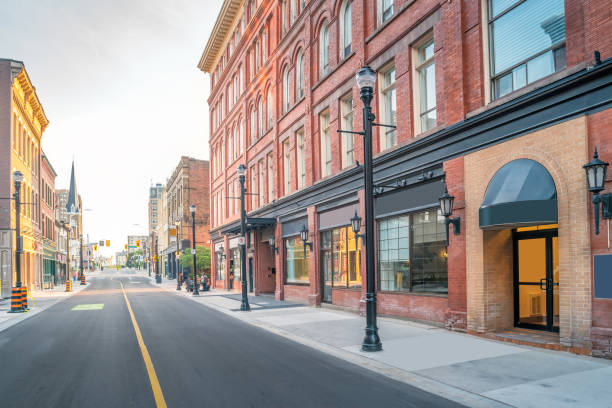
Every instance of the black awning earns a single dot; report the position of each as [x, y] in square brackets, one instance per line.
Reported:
[521, 193]
[251, 224]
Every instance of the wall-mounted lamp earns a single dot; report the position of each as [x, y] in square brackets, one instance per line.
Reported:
[304, 236]
[356, 226]
[272, 247]
[596, 179]
[446, 207]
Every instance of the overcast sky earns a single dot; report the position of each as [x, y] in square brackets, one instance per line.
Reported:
[119, 83]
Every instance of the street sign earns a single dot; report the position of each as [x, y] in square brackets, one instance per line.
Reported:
[193, 251]
[241, 240]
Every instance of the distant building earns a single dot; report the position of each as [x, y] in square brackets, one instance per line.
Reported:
[136, 242]
[47, 225]
[23, 123]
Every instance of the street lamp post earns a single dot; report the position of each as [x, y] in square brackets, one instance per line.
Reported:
[18, 179]
[192, 209]
[244, 305]
[67, 228]
[177, 259]
[158, 278]
[366, 79]
[81, 259]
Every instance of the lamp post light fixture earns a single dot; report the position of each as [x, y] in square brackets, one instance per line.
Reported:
[192, 209]
[356, 226]
[446, 208]
[304, 237]
[221, 252]
[596, 179]
[272, 244]
[244, 305]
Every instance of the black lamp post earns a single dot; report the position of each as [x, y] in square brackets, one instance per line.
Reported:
[356, 227]
[18, 179]
[244, 305]
[192, 209]
[596, 179]
[177, 258]
[67, 228]
[366, 80]
[158, 278]
[221, 255]
[446, 208]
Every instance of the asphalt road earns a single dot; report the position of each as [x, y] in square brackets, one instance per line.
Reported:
[202, 358]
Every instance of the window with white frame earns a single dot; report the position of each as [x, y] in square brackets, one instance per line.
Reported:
[293, 11]
[264, 44]
[262, 180]
[300, 75]
[326, 156]
[425, 86]
[230, 145]
[257, 55]
[236, 200]
[346, 107]
[253, 191]
[242, 134]
[324, 49]
[345, 29]
[388, 107]
[260, 113]
[301, 159]
[286, 167]
[270, 159]
[270, 105]
[526, 42]
[253, 132]
[286, 90]
[236, 136]
[283, 16]
[385, 10]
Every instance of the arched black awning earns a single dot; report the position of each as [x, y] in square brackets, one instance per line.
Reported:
[521, 193]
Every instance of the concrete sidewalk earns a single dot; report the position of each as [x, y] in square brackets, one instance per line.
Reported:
[467, 369]
[38, 301]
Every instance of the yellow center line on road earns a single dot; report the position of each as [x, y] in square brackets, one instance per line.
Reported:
[160, 402]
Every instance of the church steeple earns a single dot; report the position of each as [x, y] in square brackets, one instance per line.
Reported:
[72, 205]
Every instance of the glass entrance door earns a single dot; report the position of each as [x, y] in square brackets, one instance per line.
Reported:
[536, 280]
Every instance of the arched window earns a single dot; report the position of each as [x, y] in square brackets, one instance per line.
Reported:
[260, 113]
[230, 147]
[324, 49]
[242, 132]
[253, 124]
[270, 105]
[300, 75]
[345, 29]
[286, 90]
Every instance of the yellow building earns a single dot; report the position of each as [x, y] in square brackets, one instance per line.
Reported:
[21, 150]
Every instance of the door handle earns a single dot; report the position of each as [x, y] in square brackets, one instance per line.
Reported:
[543, 281]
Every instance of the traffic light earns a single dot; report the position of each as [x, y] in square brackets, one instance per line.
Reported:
[108, 242]
[95, 247]
[125, 246]
[137, 243]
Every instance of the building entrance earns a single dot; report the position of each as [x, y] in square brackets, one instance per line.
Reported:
[536, 278]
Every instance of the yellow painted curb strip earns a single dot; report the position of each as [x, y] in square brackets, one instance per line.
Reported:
[160, 402]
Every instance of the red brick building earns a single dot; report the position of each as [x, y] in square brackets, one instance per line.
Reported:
[502, 102]
[47, 223]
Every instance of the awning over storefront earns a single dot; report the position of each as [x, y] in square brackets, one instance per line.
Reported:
[521, 193]
[251, 223]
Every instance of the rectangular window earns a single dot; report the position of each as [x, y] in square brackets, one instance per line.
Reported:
[347, 124]
[388, 109]
[296, 261]
[286, 167]
[235, 267]
[526, 42]
[220, 267]
[262, 181]
[340, 255]
[425, 86]
[293, 11]
[301, 159]
[253, 191]
[270, 178]
[386, 11]
[412, 253]
[326, 154]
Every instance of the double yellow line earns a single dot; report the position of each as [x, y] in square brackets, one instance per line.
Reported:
[160, 402]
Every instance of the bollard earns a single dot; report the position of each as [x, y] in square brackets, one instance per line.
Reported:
[83, 279]
[16, 304]
[24, 298]
[68, 285]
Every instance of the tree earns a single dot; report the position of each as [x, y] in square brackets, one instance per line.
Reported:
[202, 260]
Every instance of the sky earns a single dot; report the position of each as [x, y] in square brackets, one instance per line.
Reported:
[119, 83]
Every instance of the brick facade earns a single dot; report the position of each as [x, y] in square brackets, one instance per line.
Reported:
[480, 263]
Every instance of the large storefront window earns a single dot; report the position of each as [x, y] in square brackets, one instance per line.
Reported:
[412, 253]
[235, 264]
[296, 264]
[340, 256]
[219, 267]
